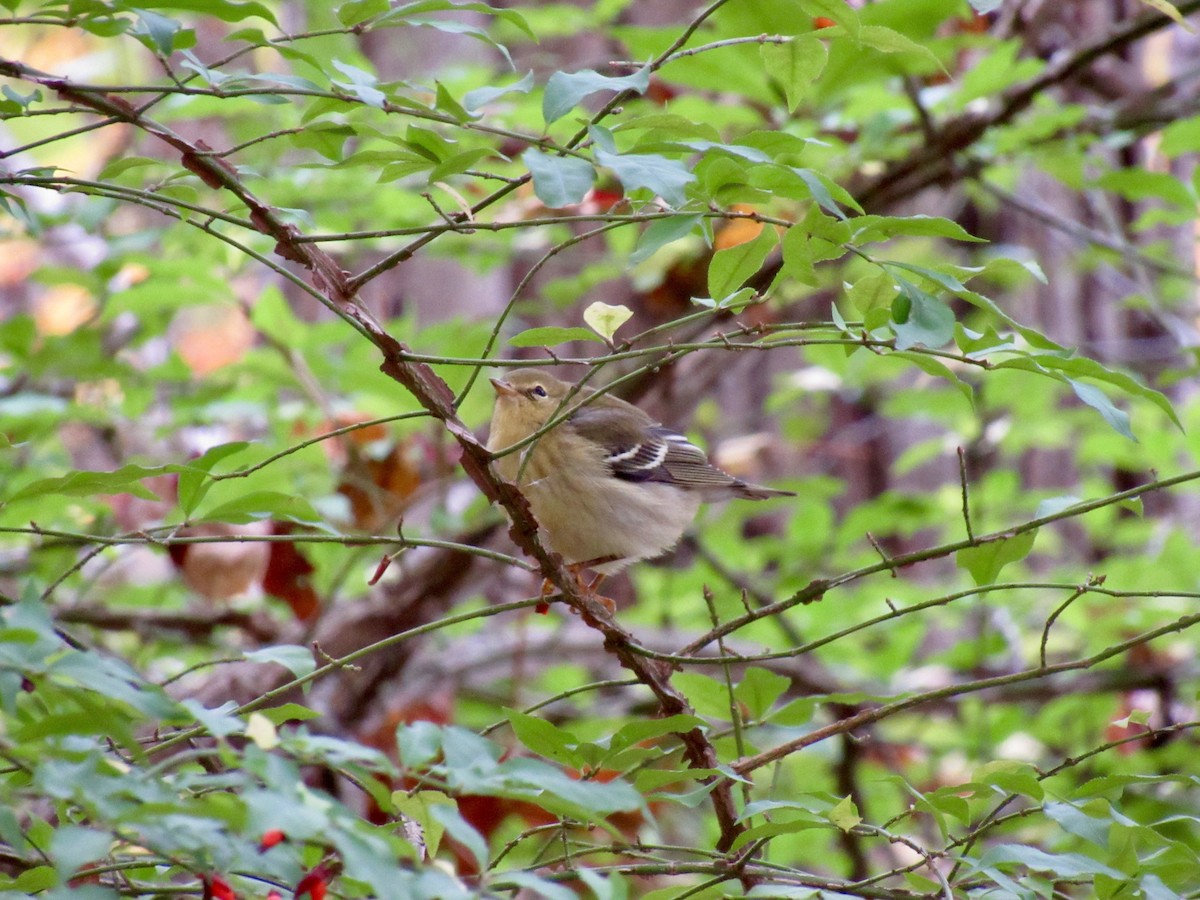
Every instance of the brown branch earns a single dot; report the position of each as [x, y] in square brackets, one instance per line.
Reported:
[847, 725]
[195, 623]
[935, 161]
[433, 394]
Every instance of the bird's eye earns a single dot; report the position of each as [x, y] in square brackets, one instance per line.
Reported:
[537, 391]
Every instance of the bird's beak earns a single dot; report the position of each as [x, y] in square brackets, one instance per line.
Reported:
[503, 388]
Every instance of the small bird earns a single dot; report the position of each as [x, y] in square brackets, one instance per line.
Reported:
[608, 485]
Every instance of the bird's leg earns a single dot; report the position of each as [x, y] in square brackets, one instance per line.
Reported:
[585, 587]
[591, 586]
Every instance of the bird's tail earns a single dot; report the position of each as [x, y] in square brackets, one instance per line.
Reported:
[749, 491]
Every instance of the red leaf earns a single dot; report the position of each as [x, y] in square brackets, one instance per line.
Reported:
[288, 577]
[217, 888]
[315, 883]
[271, 838]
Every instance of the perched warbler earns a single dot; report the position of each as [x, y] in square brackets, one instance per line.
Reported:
[608, 484]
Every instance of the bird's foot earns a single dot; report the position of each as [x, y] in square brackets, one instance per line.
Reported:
[587, 588]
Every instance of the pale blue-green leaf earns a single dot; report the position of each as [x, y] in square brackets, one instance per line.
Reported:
[159, 30]
[1098, 400]
[822, 192]
[456, 826]
[1054, 505]
[1062, 865]
[665, 177]
[533, 886]
[740, 299]
[361, 84]
[474, 101]
[418, 743]
[218, 721]
[920, 319]
[565, 89]
[559, 181]
[603, 137]
[661, 232]
[297, 660]
[73, 846]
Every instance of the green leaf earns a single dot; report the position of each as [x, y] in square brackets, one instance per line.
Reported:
[1139, 184]
[838, 10]
[125, 480]
[888, 40]
[360, 10]
[605, 318]
[759, 689]
[875, 228]
[798, 256]
[559, 181]
[731, 267]
[708, 696]
[795, 64]
[565, 89]
[297, 660]
[845, 814]
[665, 177]
[876, 290]
[650, 729]
[552, 336]
[417, 807]
[194, 481]
[1098, 400]
[289, 712]
[985, 561]
[1011, 776]
[258, 505]
[545, 739]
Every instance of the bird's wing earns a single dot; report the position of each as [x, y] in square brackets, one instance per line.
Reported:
[641, 450]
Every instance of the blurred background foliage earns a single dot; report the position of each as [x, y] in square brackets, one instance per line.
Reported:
[929, 264]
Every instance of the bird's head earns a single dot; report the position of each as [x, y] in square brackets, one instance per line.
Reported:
[527, 398]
